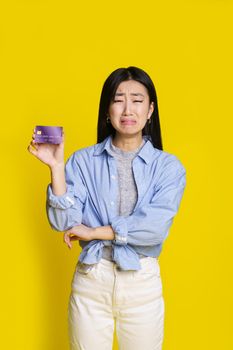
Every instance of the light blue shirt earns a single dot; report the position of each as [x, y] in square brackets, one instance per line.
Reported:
[90, 199]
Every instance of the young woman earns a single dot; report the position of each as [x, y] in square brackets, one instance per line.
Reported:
[118, 197]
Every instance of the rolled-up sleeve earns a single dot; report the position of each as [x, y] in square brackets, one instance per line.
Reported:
[65, 211]
[150, 223]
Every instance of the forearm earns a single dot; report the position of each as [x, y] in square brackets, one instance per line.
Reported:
[58, 179]
[104, 233]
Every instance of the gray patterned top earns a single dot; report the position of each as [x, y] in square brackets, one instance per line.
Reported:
[127, 187]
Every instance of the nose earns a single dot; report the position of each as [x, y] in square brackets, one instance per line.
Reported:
[127, 108]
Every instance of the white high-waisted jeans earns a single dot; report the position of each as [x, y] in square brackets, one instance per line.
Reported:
[104, 294]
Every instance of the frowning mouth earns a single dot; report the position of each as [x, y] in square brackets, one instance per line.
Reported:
[128, 121]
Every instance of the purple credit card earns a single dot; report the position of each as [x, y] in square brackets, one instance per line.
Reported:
[48, 134]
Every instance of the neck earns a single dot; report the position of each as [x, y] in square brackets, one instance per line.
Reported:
[127, 143]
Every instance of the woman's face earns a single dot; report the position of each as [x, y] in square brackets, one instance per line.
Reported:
[130, 108]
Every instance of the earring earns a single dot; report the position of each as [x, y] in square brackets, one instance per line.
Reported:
[108, 120]
[149, 121]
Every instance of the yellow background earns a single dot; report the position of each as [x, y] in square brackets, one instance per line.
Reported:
[55, 56]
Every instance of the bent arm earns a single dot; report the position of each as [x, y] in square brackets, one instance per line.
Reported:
[66, 195]
[149, 225]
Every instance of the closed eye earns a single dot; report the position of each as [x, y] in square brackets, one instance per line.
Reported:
[123, 101]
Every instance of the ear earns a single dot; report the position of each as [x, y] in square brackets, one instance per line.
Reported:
[151, 109]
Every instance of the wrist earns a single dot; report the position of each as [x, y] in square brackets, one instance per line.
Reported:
[57, 166]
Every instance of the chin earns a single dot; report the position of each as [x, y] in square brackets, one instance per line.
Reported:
[129, 132]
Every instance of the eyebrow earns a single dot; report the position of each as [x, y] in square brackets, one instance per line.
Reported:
[133, 94]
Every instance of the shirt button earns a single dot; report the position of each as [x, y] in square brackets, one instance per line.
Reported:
[113, 177]
[112, 203]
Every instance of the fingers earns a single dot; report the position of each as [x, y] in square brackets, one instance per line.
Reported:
[66, 239]
[34, 144]
[32, 150]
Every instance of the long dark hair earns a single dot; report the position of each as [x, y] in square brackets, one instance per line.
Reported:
[105, 129]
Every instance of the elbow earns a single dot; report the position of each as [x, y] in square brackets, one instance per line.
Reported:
[61, 220]
[150, 237]
[58, 220]
[53, 225]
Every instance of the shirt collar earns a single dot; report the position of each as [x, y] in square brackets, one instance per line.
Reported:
[147, 151]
